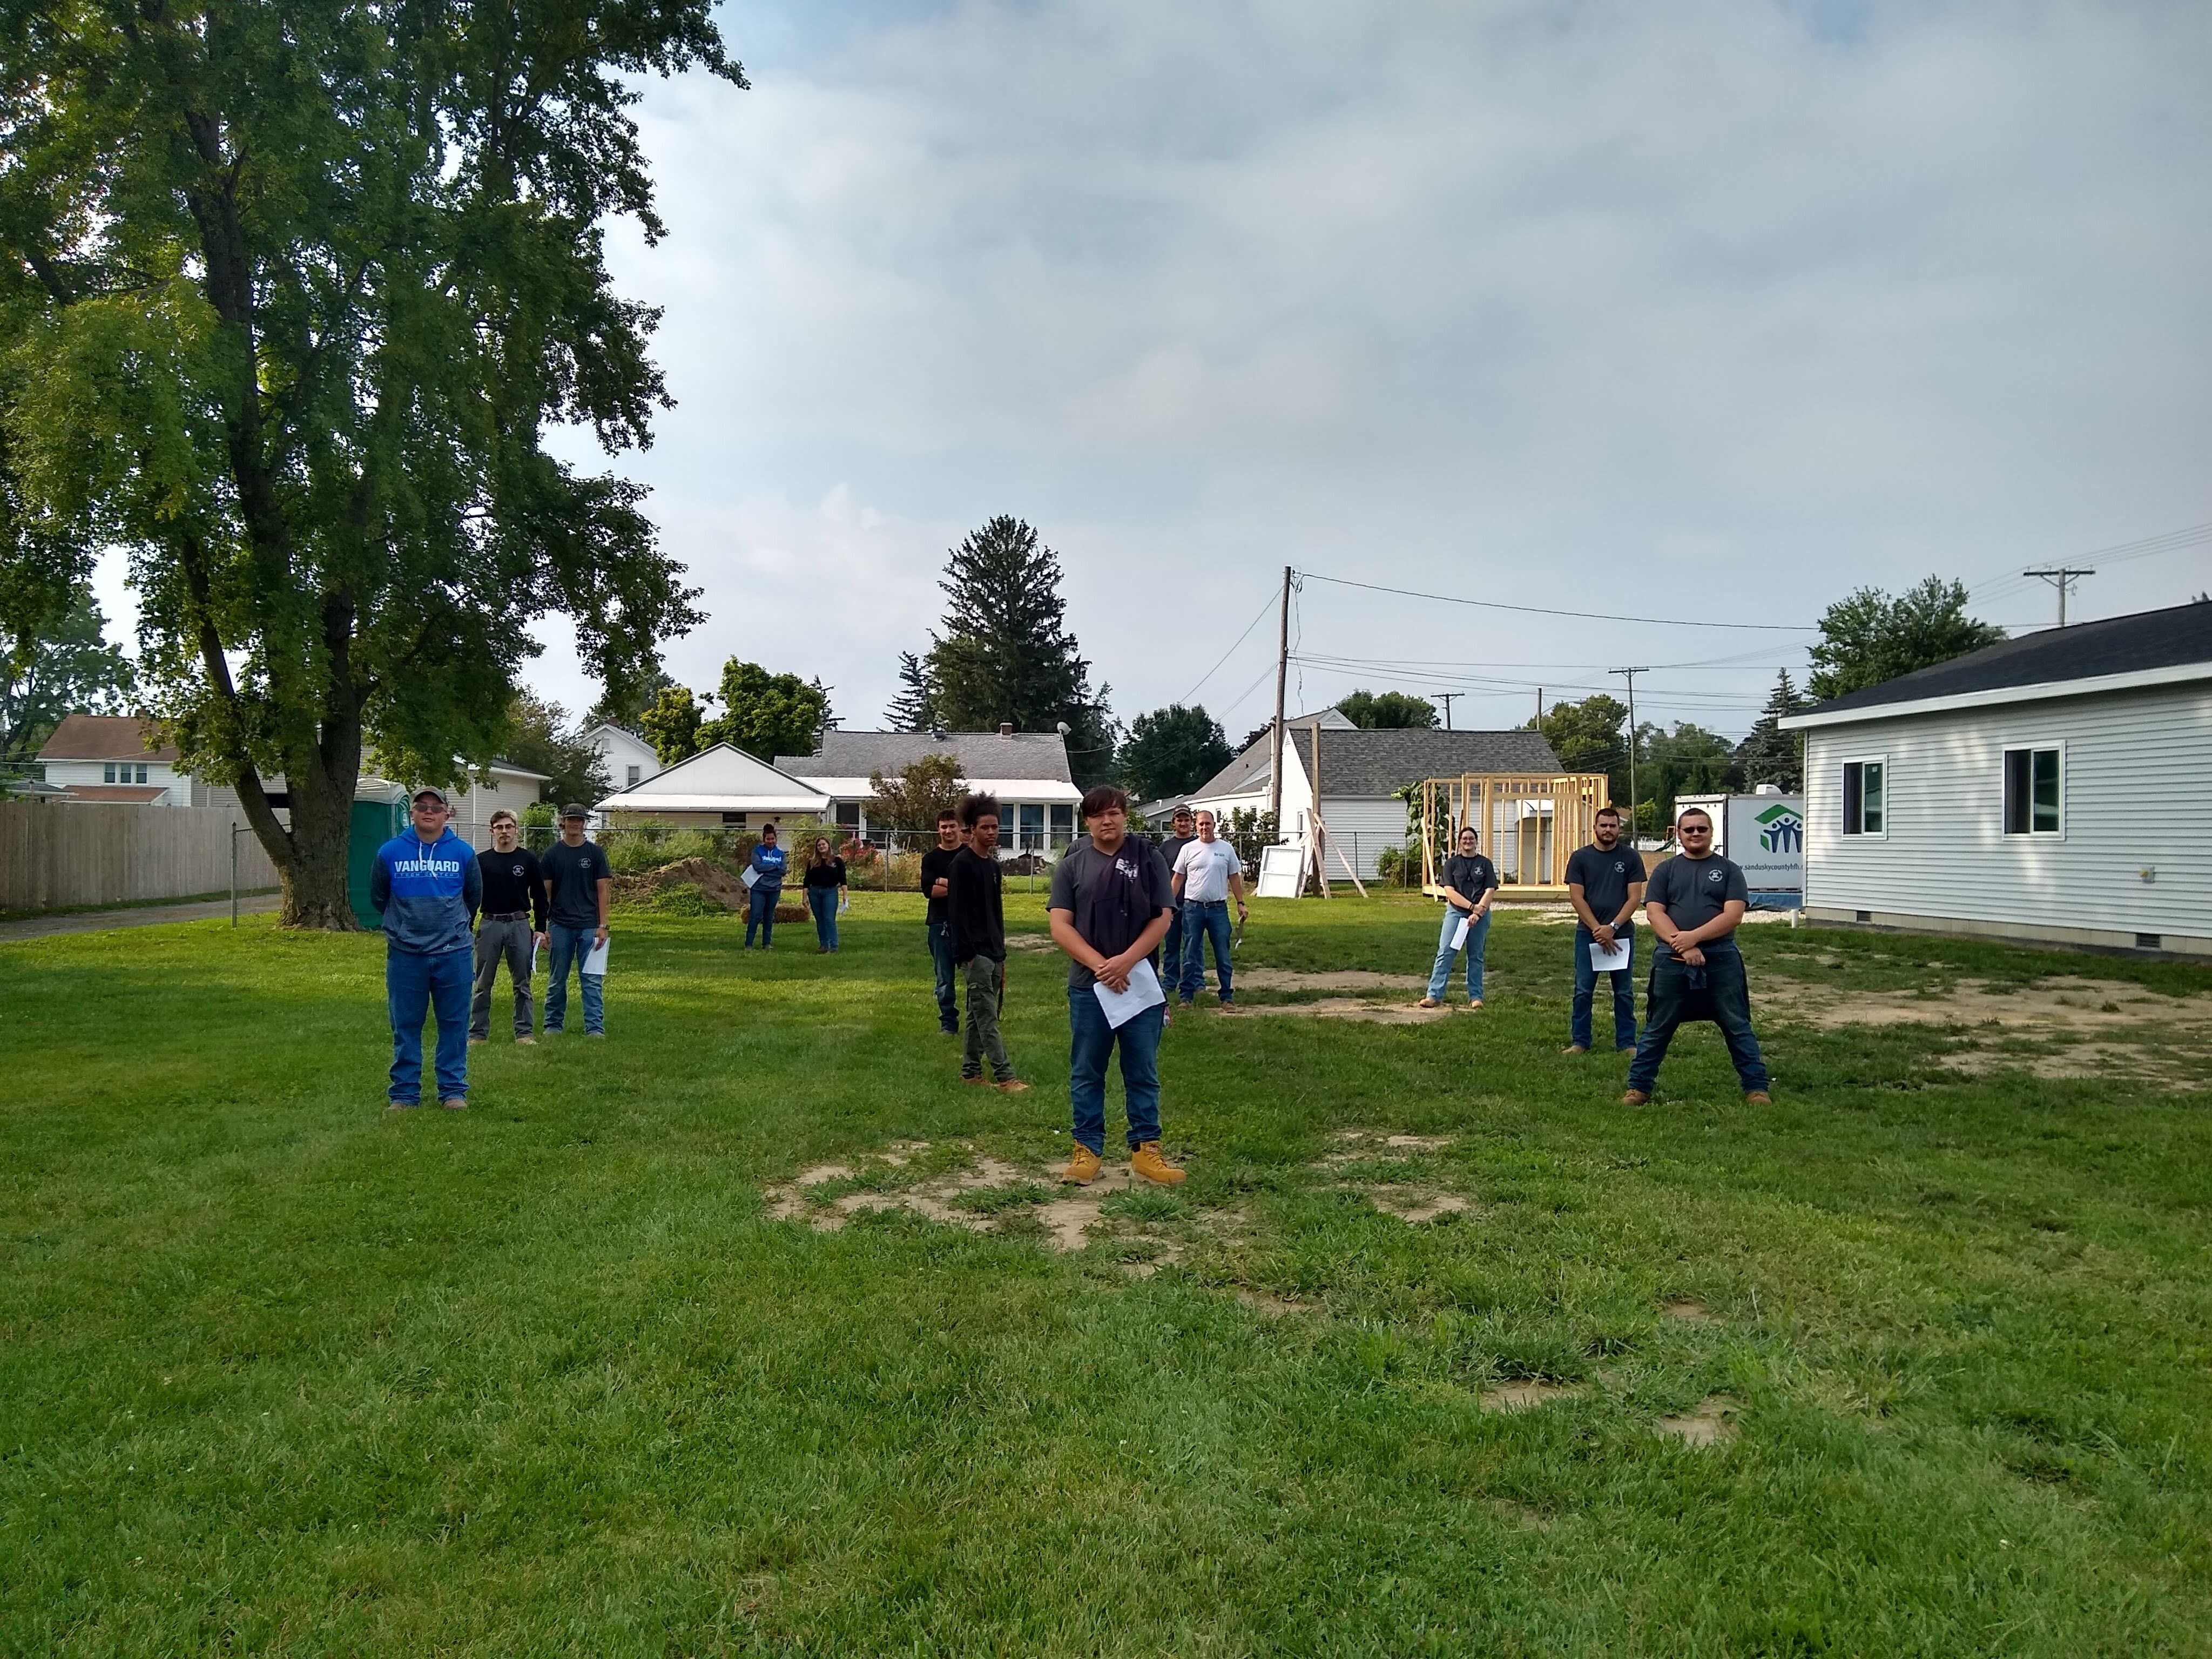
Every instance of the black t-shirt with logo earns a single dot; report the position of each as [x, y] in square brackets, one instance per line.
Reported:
[1694, 891]
[1604, 876]
[1470, 875]
[936, 866]
[513, 883]
[1112, 896]
[575, 874]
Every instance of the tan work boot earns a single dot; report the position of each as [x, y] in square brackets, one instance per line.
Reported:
[1082, 1167]
[1014, 1085]
[1147, 1162]
[1636, 1097]
[1758, 1097]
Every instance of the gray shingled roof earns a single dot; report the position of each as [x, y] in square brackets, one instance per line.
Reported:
[2119, 645]
[1041, 755]
[1377, 764]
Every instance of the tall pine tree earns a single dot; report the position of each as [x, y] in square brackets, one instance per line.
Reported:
[1770, 755]
[913, 709]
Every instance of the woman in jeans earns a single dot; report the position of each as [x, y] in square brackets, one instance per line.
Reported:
[1470, 881]
[825, 892]
[767, 865]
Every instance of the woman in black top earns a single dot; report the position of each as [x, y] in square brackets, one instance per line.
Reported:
[825, 892]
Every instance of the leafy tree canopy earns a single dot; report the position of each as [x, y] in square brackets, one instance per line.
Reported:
[540, 737]
[1388, 711]
[1687, 761]
[911, 797]
[671, 724]
[768, 714]
[1589, 736]
[288, 294]
[626, 704]
[1172, 751]
[1770, 755]
[1871, 637]
[65, 666]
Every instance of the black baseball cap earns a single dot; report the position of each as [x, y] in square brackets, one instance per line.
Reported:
[573, 811]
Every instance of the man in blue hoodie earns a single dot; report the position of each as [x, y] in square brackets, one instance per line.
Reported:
[426, 885]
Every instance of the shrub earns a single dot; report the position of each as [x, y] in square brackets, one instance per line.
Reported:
[633, 852]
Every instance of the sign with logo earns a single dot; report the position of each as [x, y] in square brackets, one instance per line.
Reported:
[1766, 838]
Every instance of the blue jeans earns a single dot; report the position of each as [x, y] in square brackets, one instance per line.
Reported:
[822, 901]
[1716, 992]
[759, 913]
[1440, 975]
[940, 957]
[1624, 989]
[1094, 1042]
[573, 942]
[1168, 963]
[1204, 921]
[413, 986]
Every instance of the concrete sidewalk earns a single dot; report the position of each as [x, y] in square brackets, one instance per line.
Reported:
[143, 915]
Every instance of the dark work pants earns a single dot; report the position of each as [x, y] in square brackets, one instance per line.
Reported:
[509, 942]
[941, 957]
[1624, 991]
[1716, 992]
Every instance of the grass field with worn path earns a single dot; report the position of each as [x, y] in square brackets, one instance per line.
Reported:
[751, 1330]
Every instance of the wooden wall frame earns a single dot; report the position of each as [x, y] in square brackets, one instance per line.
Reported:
[1479, 799]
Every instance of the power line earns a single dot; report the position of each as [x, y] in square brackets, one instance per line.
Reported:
[1548, 610]
[1231, 652]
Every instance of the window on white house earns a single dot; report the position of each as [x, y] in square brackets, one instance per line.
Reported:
[1032, 827]
[2034, 792]
[1063, 825]
[848, 815]
[632, 775]
[107, 773]
[142, 774]
[1866, 797]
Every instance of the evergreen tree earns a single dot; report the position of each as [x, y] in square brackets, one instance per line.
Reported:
[1770, 755]
[1171, 751]
[1871, 637]
[915, 708]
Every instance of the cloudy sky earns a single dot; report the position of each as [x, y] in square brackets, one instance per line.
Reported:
[1710, 310]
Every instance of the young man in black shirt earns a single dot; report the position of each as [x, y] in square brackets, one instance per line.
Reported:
[512, 925]
[975, 913]
[1183, 830]
[579, 882]
[936, 873]
[1470, 880]
[1605, 883]
[1694, 902]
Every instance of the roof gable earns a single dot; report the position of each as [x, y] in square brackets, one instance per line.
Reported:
[106, 737]
[721, 770]
[1040, 757]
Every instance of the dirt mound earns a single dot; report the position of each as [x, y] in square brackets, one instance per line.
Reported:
[714, 882]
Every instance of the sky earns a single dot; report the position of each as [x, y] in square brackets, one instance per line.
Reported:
[1710, 312]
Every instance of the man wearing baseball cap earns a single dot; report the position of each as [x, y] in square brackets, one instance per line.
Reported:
[426, 885]
[578, 881]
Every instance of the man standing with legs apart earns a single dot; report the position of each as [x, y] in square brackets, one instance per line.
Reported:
[1605, 883]
[426, 886]
[1695, 901]
[1110, 904]
[1170, 962]
[513, 924]
[936, 883]
[578, 881]
[1470, 879]
[1206, 874]
[974, 909]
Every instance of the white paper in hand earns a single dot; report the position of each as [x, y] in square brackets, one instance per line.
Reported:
[1459, 934]
[1122, 1006]
[595, 959]
[1609, 962]
[749, 875]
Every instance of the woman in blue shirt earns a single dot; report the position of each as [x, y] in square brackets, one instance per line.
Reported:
[767, 865]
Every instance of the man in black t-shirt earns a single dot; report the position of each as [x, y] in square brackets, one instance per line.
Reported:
[510, 927]
[1694, 902]
[1183, 830]
[936, 870]
[1470, 879]
[975, 917]
[1605, 883]
[579, 882]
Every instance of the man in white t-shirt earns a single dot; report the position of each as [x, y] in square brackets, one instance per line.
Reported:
[1206, 873]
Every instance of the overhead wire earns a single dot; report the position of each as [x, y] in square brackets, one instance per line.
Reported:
[1231, 652]
[1549, 610]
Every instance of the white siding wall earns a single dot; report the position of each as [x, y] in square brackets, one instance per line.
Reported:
[159, 774]
[1376, 823]
[2137, 795]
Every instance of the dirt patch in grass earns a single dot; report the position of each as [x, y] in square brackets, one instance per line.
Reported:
[1689, 1310]
[1379, 1013]
[1275, 1307]
[1712, 1424]
[1416, 1206]
[1345, 979]
[1040, 943]
[1415, 1202]
[1524, 1394]
[939, 1198]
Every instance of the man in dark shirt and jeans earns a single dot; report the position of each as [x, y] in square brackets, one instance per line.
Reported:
[1183, 830]
[975, 915]
[936, 883]
[578, 881]
[511, 927]
[1694, 902]
[1605, 883]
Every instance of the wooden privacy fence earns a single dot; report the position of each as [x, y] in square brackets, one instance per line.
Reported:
[1528, 824]
[54, 854]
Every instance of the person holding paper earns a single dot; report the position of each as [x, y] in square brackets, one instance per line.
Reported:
[1695, 901]
[975, 915]
[1605, 883]
[1110, 906]
[825, 892]
[1204, 875]
[511, 927]
[1470, 879]
[765, 877]
[579, 882]
[425, 883]
[937, 886]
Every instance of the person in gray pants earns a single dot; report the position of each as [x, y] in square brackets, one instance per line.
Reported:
[510, 929]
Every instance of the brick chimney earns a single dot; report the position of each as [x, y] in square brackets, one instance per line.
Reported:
[1006, 728]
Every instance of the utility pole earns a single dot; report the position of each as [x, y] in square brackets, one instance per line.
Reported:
[1445, 698]
[1633, 808]
[2061, 578]
[1540, 708]
[1275, 738]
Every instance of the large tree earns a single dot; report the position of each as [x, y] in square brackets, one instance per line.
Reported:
[65, 666]
[289, 293]
[768, 714]
[914, 709]
[1388, 711]
[1170, 751]
[1004, 654]
[1771, 755]
[1589, 736]
[1871, 637]
[1687, 761]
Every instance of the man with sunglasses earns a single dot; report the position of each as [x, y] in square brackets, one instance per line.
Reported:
[1694, 902]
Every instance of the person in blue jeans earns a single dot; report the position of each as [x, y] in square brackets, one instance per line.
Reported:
[825, 892]
[1695, 901]
[579, 885]
[937, 889]
[425, 883]
[1205, 875]
[1605, 884]
[1169, 964]
[1110, 907]
[767, 865]
[1470, 881]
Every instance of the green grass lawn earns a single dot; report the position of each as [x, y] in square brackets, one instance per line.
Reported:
[281, 1373]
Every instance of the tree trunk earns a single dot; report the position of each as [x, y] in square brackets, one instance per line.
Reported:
[313, 873]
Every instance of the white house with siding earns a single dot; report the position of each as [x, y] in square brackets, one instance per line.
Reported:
[629, 759]
[124, 760]
[2054, 787]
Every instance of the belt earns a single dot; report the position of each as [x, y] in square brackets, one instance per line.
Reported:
[506, 915]
[1209, 904]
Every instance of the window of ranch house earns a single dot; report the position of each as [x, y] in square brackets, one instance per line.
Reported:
[1032, 828]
